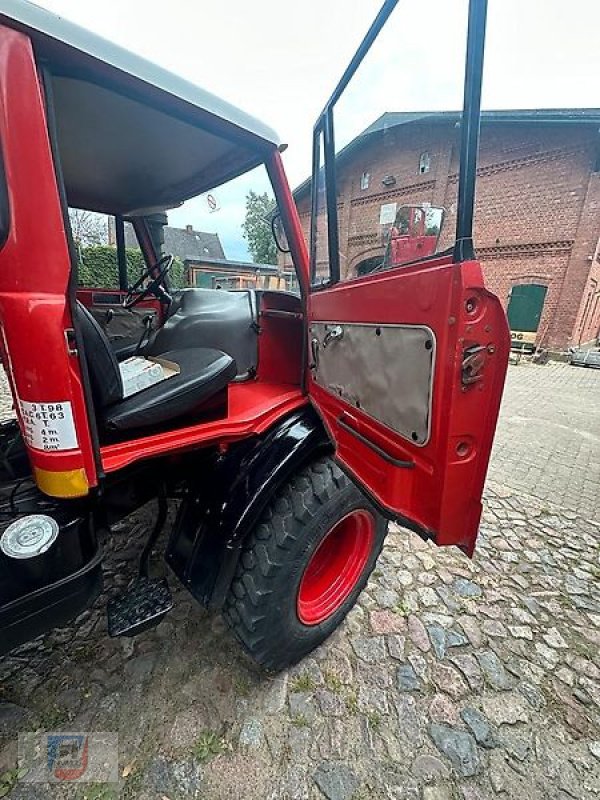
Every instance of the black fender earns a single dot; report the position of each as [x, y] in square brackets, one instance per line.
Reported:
[226, 496]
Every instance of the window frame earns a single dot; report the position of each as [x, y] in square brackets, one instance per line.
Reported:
[463, 247]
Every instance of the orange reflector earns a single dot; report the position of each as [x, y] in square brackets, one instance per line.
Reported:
[66, 483]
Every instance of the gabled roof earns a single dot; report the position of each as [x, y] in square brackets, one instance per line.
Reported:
[183, 243]
[61, 40]
[393, 119]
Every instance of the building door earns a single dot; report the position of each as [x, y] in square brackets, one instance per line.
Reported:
[524, 313]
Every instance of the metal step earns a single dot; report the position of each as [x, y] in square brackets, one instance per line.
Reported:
[141, 607]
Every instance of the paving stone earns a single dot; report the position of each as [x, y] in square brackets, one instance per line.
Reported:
[479, 727]
[409, 720]
[493, 627]
[427, 768]
[337, 781]
[505, 709]
[525, 617]
[406, 678]
[521, 632]
[554, 639]
[386, 598]
[438, 792]
[533, 695]
[252, 733]
[455, 638]
[466, 588]
[442, 709]
[493, 670]
[308, 668]
[418, 634]
[14, 718]
[472, 630]
[548, 656]
[302, 706]
[428, 597]
[458, 746]
[140, 668]
[468, 665]
[370, 648]
[396, 646]
[276, 695]
[438, 638]
[449, 680]
[566, 675]
[339, 665]
[331, 704]
[371, 699]
[386, 621]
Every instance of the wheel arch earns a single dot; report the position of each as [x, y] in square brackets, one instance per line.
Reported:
[222, 506]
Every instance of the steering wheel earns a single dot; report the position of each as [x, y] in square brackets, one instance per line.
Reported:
[158, 272]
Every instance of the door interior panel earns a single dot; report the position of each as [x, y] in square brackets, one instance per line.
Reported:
[385, 370]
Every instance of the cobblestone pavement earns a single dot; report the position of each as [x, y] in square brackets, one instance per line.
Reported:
[548, 439]
[451, 679]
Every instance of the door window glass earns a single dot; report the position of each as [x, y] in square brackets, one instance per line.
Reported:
[399, 121]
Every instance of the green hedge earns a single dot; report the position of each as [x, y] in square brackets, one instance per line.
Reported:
[98, 268]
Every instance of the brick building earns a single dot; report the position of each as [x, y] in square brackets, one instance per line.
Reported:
[537, 218]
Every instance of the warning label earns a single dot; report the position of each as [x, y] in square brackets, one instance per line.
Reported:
[48, 426]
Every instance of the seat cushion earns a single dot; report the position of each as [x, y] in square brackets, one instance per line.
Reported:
[203, 374]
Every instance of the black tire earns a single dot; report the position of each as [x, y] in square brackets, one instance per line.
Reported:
[261, 607]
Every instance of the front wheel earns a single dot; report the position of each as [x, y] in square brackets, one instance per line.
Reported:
[304, 565]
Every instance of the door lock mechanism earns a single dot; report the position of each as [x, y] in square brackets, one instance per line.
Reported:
[332, 334]
[472, 364]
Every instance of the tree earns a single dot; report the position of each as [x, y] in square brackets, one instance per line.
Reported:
[257, 228]
[88, 228]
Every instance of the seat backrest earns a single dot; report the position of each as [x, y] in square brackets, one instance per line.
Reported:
[103, 368]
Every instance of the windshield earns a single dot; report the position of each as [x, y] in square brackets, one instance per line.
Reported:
[225, 236]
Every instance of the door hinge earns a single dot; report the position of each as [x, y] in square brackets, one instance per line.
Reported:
[473, 361]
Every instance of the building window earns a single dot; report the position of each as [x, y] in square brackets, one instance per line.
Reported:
[364, 180]
[424, 163]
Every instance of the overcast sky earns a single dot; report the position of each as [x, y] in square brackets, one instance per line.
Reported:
[279, 60]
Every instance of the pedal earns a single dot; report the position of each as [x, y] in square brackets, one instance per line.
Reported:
[141, 607]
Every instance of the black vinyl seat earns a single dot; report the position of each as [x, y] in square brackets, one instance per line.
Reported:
[204, 374]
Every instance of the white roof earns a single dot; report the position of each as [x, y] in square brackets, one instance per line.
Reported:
[69, 39]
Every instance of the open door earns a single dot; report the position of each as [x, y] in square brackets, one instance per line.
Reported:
[408, 358]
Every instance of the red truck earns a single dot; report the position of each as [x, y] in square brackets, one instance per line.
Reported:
[288, 427]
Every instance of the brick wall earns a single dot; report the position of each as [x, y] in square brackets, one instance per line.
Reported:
[537, 215]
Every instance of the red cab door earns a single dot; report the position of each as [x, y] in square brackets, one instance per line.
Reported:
[407, 361]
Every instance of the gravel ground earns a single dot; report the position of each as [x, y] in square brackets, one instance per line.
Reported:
[450, 679]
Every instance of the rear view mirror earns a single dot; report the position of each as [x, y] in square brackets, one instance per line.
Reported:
[279, 233]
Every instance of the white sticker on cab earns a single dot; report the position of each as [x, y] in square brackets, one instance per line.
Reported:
[48, 426]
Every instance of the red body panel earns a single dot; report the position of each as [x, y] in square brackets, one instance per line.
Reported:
[253, 407]
[34, 261]
[442, 492]
[406, 248]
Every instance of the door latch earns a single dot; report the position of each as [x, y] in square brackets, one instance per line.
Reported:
[314, 348]
[472, 364]
[332, 334]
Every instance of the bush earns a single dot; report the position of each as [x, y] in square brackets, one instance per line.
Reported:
[98, 268]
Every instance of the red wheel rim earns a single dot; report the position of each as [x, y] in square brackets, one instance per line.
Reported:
[335, 567]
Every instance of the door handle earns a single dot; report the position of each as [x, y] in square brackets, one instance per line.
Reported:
[332, 334]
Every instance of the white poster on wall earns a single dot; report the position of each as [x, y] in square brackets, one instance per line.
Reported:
[387, 213]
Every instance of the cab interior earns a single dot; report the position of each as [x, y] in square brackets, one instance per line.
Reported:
[238, 354]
